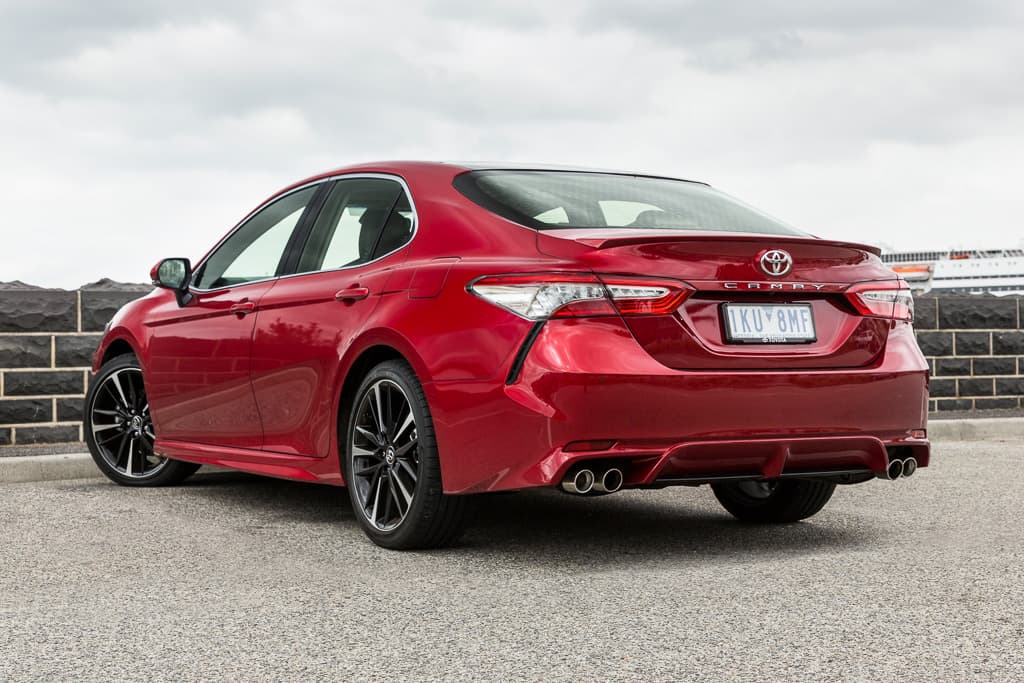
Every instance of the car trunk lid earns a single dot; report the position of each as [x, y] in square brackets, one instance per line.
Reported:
[730, 269]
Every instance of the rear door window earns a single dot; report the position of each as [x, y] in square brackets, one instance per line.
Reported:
[362, 220]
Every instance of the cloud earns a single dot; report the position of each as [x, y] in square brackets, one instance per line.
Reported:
[708, 21]
[132, 131]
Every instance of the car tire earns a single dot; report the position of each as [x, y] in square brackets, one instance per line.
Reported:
[776, 502]
[119, 431]
[390, 458]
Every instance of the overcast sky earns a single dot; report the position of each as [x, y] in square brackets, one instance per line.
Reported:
[134, 130]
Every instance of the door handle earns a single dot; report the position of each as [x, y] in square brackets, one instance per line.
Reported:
[243, 308]
[352, 294]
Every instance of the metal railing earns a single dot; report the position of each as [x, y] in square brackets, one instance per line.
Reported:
[950, 255]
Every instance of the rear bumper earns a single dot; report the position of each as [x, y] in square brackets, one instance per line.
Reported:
[589, 380]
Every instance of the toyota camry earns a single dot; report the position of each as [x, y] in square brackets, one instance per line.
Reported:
[421, 332]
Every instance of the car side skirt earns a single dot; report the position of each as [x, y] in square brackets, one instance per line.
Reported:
[294, 467]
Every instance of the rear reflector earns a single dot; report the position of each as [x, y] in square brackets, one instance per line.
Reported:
[567, 295]
[580, 446]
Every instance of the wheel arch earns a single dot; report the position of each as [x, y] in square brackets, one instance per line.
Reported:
[368, 359]
[370, 349]
[118, 347]
[117, 343]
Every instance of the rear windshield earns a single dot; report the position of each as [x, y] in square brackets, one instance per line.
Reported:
[549, 200]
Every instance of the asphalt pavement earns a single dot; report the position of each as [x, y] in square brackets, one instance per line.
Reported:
[233, 577]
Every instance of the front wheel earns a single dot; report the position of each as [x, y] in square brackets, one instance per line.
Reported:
[778, 501]
[391, 464]
[119, 430]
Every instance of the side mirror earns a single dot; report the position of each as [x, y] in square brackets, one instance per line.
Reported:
[176, 274]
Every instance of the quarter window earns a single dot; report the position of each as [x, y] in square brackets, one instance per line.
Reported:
[253, 251]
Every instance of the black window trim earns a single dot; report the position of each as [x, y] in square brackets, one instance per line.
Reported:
[297, 241]
[304, 222]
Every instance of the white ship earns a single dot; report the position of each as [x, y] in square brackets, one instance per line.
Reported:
[999, 272]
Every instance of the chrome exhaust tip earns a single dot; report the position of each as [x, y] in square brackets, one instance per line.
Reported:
[581, 482]
[893, 471]
[909, 466]
[610, 481]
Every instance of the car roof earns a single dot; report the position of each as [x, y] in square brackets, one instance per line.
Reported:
[456, 167]
[451, 169]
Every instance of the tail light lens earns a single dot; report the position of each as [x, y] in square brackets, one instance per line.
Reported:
[891, 300]
[557, 295]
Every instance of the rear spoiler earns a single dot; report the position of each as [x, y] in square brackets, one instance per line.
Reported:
[619, 239]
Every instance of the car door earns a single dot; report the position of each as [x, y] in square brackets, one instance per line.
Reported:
[200, 388]
[308, 320]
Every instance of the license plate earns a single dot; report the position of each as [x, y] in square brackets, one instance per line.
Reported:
[769, 323]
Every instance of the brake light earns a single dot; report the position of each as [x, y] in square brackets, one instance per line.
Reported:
[892, 300]
[567, 295]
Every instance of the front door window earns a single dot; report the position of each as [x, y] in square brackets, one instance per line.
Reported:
[254, 251]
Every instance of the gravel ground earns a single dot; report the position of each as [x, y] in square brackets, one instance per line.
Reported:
[238, 578]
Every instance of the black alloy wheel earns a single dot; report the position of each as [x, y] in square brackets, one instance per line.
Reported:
[119, 429]
[391, 464]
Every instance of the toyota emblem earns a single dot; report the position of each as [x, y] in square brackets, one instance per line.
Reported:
[776, 262]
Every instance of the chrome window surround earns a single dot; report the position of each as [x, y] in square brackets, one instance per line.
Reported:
[342, 176]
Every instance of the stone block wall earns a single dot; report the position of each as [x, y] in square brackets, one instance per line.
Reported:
[975, 345]
[47, 338]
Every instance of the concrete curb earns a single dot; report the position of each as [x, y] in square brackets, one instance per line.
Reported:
[14, 469]
[977, 429]
[23, 468]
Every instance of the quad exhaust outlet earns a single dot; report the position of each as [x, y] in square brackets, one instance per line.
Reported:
[586, 481]
[610, 481]
[909, 466]
[582, 482]
[899, 467]
[599, 481]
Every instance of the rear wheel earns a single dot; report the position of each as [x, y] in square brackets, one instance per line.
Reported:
[119, 430]
[777, 501]
[391, 465]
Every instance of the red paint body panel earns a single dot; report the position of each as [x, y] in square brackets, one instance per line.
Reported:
[587, 380]
[296, 392]
[197, 361]
[262, 391]
[694, 338]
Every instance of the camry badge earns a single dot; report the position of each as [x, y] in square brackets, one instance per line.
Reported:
[776, 262]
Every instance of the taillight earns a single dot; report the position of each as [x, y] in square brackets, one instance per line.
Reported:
[891, 300]
[567, 295]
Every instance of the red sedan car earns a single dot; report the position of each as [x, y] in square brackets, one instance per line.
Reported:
[420, 332]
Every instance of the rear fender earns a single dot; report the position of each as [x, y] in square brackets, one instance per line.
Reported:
[381, 336]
